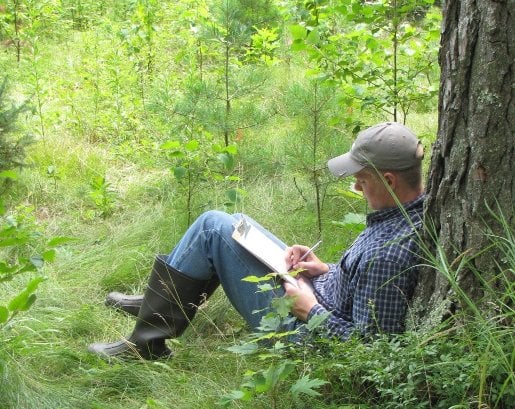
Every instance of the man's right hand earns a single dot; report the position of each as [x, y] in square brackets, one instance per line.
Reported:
[311, 265]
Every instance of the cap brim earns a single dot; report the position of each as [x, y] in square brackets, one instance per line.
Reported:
[343, 165]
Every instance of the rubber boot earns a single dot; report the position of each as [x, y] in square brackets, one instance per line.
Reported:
[131, 304]
[124, 302]
[169, 304]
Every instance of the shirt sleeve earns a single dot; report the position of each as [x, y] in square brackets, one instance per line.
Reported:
[379, 303]
[333, 326]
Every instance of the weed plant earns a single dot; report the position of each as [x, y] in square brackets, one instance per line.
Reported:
[467, 361]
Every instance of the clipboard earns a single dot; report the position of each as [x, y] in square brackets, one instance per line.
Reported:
[263, 248]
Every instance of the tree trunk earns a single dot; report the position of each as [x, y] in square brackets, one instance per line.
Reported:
[472, 165]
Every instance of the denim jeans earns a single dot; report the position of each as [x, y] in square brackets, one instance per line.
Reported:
[207, 249]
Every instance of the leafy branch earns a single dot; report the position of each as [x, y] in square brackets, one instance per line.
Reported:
[273, 343]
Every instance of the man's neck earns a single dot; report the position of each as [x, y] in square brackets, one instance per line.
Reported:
[410, 196]
[403, 197]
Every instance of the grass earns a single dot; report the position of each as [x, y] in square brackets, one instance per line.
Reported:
[44, 359]
[44, 362]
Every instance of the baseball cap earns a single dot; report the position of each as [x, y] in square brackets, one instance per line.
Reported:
[388, 145]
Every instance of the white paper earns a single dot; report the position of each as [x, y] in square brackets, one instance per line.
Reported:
[262, 247]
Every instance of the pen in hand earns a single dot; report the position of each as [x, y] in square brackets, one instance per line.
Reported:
[288, 277]
[307, 253]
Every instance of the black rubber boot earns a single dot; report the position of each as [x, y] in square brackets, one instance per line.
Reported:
[170, 302]
[124, 302]
[131, 304]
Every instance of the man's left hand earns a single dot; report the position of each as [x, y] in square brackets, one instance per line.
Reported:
[303, 296]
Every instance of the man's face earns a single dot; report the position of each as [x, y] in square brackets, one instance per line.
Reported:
[373, 188]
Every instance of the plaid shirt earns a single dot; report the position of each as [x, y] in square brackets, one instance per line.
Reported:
[369, 289]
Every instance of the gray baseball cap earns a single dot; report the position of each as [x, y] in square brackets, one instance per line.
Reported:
[388, 146]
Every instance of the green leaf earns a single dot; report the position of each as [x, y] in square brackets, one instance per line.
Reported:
[313, 37]
[31, 299]
[231, 149]
[372, 43]
[4, 314]
[192, 145]
[6, 268]
[275, 374]
[306, 386]
[227, 160]
[317, 320]
[298, 32]
[256, 279]
[24, 300]
[234, 195]
[168, 145]
[270, 322]
[283, 305]
[247, 348]
[298, 45]
[34, 284]
[179, 172]
[263, 288]
[98, 182]
[13, 241]
[49, 255]
[9, 174]
[19, 302]
[354, 219]
[37, 261]
[25, 265]
[51, 170]
[57, 241]
[176, 154]
[262, 381]
[244, 395]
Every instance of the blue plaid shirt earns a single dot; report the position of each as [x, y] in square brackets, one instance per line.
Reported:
[368, 290]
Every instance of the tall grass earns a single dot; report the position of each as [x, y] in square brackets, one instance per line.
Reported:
[468, 362]
[465, 362]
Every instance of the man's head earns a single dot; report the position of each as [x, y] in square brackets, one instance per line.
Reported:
[385, 158]
[388, 145]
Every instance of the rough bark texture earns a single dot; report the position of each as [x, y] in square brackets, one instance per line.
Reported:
[472, 165]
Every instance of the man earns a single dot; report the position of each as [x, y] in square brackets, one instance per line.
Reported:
[366, 292]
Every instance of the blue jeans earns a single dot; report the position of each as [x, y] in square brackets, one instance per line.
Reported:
[207, 249]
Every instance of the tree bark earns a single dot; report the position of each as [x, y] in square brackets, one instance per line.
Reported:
[472, 164]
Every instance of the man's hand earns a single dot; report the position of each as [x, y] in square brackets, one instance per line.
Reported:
[311, 265]
[303, 296]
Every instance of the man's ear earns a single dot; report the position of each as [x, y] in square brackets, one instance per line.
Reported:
[391, 179]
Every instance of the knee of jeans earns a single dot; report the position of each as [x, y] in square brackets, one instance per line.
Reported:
[218, 220]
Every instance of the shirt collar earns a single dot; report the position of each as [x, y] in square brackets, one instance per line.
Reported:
[392, 212]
